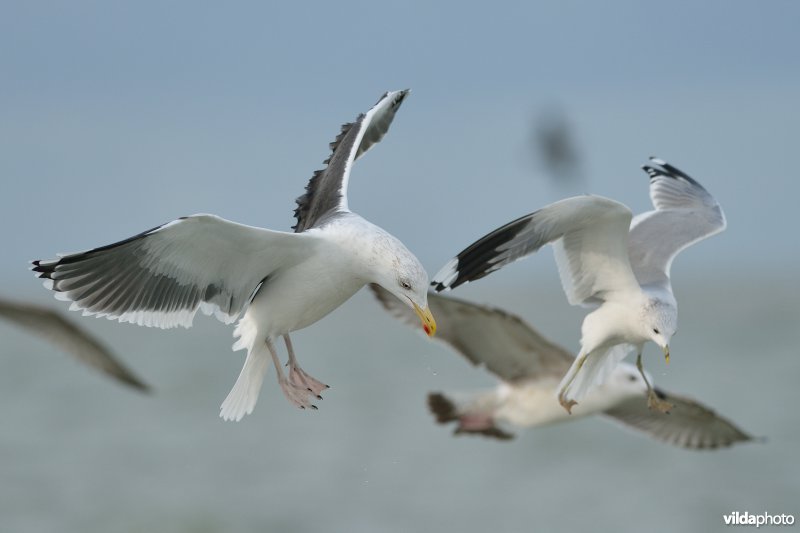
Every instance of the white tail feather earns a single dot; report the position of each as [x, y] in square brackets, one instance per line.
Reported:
[244, 394]
[246, 332]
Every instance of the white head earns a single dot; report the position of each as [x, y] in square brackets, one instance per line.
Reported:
[398, 271]
[623, 383]
[627, 381]
[660, 321]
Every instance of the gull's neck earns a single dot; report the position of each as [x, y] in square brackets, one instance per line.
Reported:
[370, 248]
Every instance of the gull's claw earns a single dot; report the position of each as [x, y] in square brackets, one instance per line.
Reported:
[654, 402]
[297, 396]
[566, 404]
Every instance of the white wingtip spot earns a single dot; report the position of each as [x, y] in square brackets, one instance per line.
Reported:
[448, 274]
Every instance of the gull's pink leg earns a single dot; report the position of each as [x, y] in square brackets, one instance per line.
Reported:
[481, 423]
[298, 377]
[475, 421]
[296, 395]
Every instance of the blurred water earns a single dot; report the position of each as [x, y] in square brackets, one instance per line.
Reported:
[78, 453]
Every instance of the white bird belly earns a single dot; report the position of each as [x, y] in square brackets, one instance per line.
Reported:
[536, 404]
[532, 404]
[301, 296]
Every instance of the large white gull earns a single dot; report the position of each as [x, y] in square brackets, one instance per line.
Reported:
[530, 367]
[277, 282]
[608, 259]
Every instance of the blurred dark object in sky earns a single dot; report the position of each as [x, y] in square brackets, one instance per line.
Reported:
[70, 338]
[554, 146]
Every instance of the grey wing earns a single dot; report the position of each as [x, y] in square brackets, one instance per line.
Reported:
[591, 238]
[502, 342]
[689, 424]
[68, 337]
[326, 192]
[685, 213]
[163, 276]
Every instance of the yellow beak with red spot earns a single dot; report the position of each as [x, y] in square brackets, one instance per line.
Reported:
[666, 353]
[425, 316]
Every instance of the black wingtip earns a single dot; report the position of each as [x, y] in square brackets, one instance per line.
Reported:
[667, 170]
[43, 270]
[678, 173]
[438, 286]
[655, 172]
[486, 255]
[652, 172]
[401, 95]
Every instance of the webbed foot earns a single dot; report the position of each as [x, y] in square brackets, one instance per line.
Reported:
[299, 378]
[298, 395]
[566, 404]
[654, 402]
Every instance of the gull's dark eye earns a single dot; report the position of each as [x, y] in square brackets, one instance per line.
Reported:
[655, 330]
[631, 377]
[406, 285]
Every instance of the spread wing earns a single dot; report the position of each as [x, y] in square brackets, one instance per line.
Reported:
[689, 424]
[685, 213]
[69, 338]
[590, 234]
[326, 192]
[163, 276]
[503, 343]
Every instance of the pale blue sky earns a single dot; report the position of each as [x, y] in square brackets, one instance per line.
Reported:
[116, 117]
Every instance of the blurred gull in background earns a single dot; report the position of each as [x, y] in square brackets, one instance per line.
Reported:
[554, 146]
[530, 368]
[76, 341]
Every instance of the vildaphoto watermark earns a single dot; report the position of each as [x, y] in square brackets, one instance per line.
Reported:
[764, 519]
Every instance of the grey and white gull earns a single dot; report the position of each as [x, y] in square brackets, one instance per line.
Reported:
[609, 260]
[273, 282]
[529, 368]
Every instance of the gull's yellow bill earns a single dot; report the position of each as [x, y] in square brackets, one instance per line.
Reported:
[428, 322]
